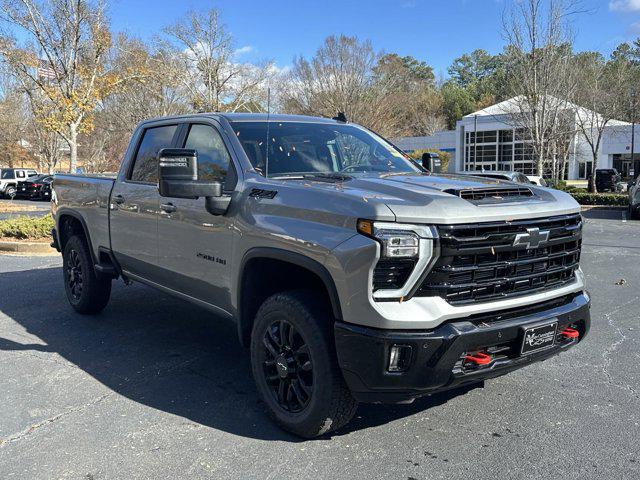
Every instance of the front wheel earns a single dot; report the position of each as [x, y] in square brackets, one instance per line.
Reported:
[87, 292]
[10, 191]
[295, 366]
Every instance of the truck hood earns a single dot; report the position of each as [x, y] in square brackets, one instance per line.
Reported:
[423, 198]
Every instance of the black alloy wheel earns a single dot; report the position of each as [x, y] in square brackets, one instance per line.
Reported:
[74, 274]
[288, 368]
[86, 291]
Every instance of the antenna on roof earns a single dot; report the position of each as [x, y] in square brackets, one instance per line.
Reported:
[266, 161]
[341, 117]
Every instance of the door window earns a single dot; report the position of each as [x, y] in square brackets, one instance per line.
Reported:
[213, 157]
[20, 174]
[145, 168]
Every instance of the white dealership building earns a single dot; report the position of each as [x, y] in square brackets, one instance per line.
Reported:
[498, 145]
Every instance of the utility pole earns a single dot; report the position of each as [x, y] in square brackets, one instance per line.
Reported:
[636, 164]
[475, 140]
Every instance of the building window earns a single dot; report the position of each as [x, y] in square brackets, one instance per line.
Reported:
[507, 149]
[506, 136]
[585, 169]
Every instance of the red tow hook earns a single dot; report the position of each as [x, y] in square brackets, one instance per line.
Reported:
[479, 358]
[569, 332]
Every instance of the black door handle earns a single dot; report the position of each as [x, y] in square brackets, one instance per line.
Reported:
[168, 207]
[119, 199]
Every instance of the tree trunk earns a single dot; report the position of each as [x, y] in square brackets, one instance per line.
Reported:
[592, 178]
[540, 164]
[73, 148]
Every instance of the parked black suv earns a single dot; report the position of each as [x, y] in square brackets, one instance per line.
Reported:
[608, 180]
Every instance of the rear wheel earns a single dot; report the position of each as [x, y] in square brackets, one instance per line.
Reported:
[295, 367]
[87, 292]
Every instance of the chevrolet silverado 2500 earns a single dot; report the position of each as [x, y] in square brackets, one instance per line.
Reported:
[353, 274]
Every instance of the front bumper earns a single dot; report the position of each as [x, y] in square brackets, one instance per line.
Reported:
[437, 356]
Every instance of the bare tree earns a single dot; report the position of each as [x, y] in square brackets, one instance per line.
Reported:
[14, 117]
[407, 85]
[601, 96]
[340, 77]
[61, 66]
[541, 82]
[211, 76]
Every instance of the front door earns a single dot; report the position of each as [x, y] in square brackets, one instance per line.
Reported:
[134, 206]
[195, 247]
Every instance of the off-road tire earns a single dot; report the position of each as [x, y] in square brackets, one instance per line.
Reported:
[330, 404]
[9, 190]
[92, 294]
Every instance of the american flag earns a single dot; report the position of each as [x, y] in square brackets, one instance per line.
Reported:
[45, 71]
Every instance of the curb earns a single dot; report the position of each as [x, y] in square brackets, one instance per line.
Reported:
[26, 247]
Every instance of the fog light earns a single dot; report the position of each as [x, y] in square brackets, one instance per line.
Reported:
[399, 358]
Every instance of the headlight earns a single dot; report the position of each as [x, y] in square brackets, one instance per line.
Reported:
[401, 242]
[398, 244]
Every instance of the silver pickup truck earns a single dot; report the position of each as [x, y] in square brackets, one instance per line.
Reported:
[352, 273]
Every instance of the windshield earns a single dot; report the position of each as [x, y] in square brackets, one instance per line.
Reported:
[7, 175]
[297, 148]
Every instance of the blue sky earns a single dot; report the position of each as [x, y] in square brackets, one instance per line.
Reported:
[436, 31]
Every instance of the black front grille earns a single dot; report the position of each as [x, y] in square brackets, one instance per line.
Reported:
[478, 262]
[391, 274]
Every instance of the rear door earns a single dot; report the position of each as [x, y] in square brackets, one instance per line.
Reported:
[135, 201]
[195, 247]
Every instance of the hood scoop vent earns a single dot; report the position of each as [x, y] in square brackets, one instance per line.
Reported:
[491, 195]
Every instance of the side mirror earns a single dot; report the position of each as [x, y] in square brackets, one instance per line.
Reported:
[426, 161]
[178, 178]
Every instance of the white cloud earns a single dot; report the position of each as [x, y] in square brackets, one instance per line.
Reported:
[276, 70]
[624, 5]
[243, 50]
[634, 28]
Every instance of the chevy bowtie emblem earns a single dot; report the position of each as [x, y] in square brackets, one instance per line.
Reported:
[532, 239]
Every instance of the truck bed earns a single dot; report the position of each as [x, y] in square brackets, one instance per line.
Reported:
[87, 197]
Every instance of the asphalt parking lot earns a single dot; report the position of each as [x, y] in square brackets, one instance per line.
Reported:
[157, 388]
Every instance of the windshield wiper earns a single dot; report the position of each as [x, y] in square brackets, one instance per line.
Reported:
[321, 176]
[341, 177]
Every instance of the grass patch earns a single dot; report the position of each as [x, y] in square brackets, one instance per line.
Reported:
[26, 228]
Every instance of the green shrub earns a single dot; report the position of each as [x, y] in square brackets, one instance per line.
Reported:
[558, 184]
[23, 227]
[615, 199]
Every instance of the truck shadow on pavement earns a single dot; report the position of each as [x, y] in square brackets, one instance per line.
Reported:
[160, 352]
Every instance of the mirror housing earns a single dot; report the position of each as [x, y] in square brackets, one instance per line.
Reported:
[178, 178]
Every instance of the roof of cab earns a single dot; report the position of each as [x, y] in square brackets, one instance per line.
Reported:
[252, 117]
